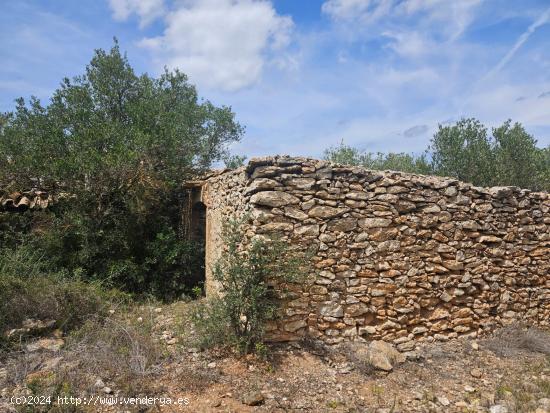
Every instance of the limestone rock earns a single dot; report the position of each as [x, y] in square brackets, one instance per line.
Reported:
[307, 230]
[342, 224]
[276, 227]
[329, 309]
[254, 398]
[489, 239]
[294, 326]
[31, 327]
[261, 184]
[295, 213]
[273, 198]
[45, 344]
[322, 211]
[374, 222]
[498, 408]
[384, 356]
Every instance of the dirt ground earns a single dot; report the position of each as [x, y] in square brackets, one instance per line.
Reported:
[508, 371]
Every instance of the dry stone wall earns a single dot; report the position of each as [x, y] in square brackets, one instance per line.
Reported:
[398, 256]
[224, 198]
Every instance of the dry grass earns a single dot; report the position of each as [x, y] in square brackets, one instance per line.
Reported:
[521, 392]
[516, 339]
[119, 350]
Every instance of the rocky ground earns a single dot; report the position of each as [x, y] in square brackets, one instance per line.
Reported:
[508, 371]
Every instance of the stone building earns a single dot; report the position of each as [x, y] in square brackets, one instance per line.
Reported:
[397, 256]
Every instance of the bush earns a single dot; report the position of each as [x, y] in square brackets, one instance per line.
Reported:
[249, 275]
[29, 291]
[519, 338]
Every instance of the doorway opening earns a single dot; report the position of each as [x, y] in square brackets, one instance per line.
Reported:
[194, 232]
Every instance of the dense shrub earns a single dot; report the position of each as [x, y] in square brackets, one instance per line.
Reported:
[247, 274]
[115, 147]
[29, 291]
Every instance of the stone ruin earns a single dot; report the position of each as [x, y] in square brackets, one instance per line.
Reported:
[398, 257]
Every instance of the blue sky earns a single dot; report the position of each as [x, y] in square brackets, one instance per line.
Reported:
[302, 75]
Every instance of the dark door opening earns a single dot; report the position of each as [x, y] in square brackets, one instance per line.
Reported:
[197, 236]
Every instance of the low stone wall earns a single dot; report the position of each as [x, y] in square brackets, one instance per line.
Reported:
[398, 256]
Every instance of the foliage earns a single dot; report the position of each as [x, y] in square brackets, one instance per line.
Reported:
[518, 161]
[234, 161]
[509, 156]
[348, 155]
[345, 154]
[248, 276]
[211, 323]
[124, 352]
[118, 146]
[28, 290]
[464, 152]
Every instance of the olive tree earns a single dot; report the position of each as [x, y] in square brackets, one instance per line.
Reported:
[119, 145]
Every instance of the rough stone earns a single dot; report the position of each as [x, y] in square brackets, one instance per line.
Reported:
[374, 222]
[325, 212]
[330, 309]
[273, 198]
[394, 254]
[254, 398]
[343, 225]
[384, 356]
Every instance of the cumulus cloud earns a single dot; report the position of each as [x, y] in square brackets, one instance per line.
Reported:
[222, 44]
[146, 10]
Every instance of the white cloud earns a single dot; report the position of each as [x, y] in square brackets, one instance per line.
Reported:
[222, 44]
[450, 17]
[146, 10]
[543, 19]
[409, 43]
[352, 9]
[457, 15]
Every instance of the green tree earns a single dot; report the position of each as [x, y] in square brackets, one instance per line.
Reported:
[348, 155]
[464, 151]
[344, 154]
[543, 175]
[252, 277]
[234, 161]
[399, 162]
[509, 156]
[118, 145]
[518, 161]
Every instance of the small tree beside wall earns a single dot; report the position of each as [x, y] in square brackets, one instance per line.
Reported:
[250, 275]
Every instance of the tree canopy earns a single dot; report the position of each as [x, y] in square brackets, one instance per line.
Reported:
[508, 156]
[120, 145]
[109, 128]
